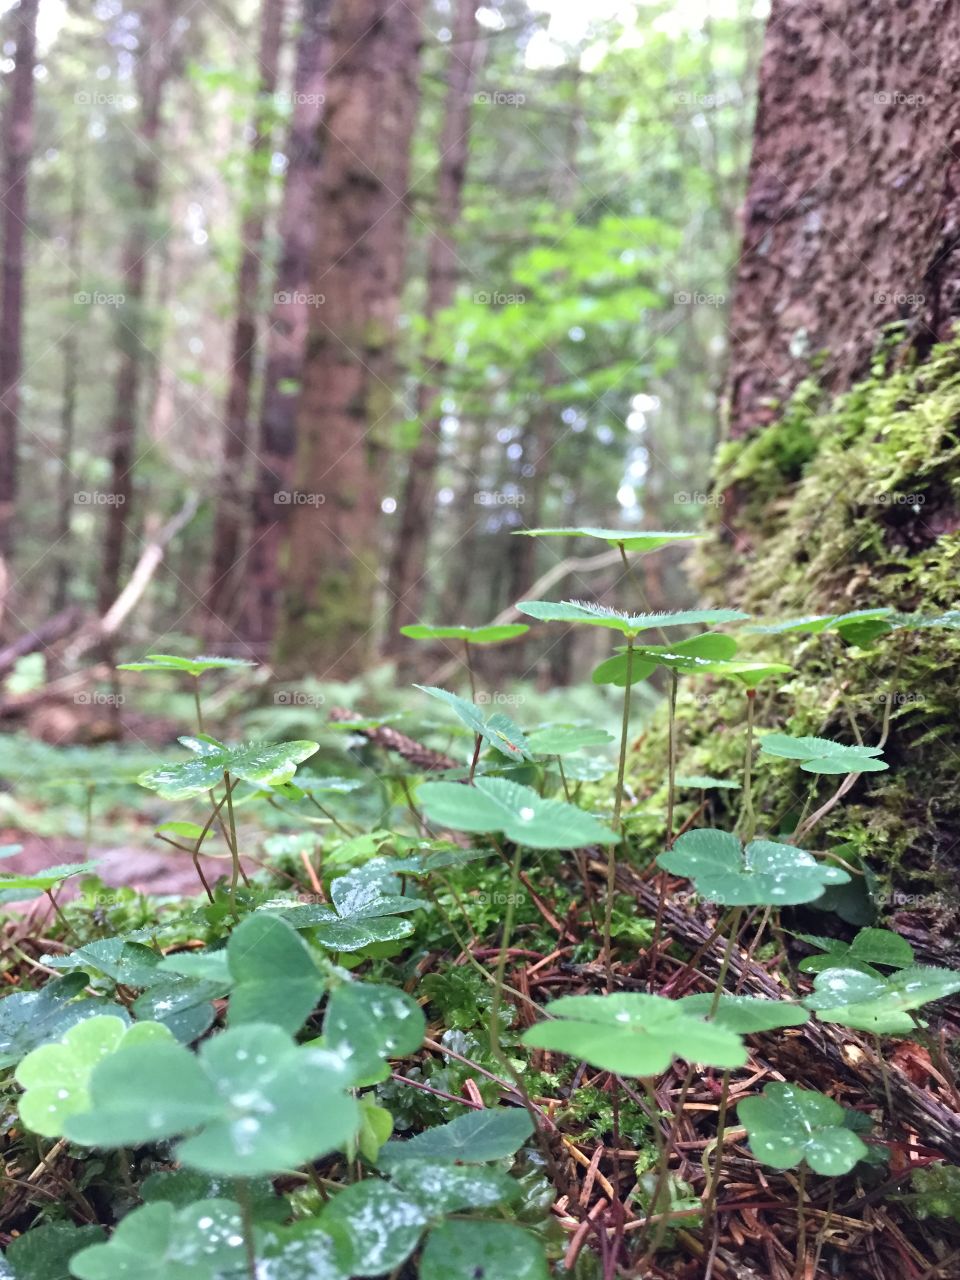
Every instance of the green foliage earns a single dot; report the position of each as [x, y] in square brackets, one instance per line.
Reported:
[56, 1076]
[224, 1094]
[494, 634]
[472, 1138]
[497, 804]
[260, 764]
[788, 1125]
[188, 666]
[871, 947]
[497, 729]
[630, 624]
[881, 1005]
[639, 540]
[820, 755]
[636, 1035]
[762, 874]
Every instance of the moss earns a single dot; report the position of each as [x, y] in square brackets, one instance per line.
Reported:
[839, 506]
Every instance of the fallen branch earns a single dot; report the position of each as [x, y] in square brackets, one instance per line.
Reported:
[150, 560]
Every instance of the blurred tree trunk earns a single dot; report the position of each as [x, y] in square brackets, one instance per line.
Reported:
[70, 348]
[232, 505]
[332, 540]
[287, 336]
[408, 566]
[853, 203]
[160, 35]
[17, 147]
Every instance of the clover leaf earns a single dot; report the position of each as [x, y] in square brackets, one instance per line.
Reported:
[384, 1225]
[746, 1015]
[30, 1018]
[496, 633]
[203, 1241]
[451, 1188]
[365, 1023]
[787, 1125]
[189, 666]
[869, 948]
[460, 1250]
[44, 1252]
[489, 1134]
[254, 1101]
[706, 782]
[642, 540]
[274, 975]
[366, 902]
[259, 763]
[498, 729]
[15, 887]
[820, 755]
[856, 999]
[497, 804]
[560, 739]
[763, 874]
[630, 624]
[56, 1076]
[636, 1035]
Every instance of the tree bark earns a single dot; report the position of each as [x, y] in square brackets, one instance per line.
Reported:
[232, 503]
[852, 215]
[17, 148]
[287, 337]
[70, 347]
[408, 566]
[332, 541]
[160, 38]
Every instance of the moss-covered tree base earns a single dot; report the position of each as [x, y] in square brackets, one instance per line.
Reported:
[841, 506]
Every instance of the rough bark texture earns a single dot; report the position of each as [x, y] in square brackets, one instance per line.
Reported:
[408, 566]
[160, 37]
[17, 146]
[332, 540]
[852, 216]
[232, 501]
[287, 338]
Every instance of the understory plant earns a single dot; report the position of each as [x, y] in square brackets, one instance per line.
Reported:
[235, 1065]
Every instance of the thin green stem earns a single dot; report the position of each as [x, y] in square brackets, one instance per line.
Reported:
[747, 821]
[232, 842]
[727, 957]
[196, 703]
[672, 754]
[476, 756]
[801, 1222]
[662, 1218]
[246, 1217]
[617, 822]
[718, 1161]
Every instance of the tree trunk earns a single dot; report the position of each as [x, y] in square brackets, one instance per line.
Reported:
[232, 500]
[332, 541]
[17, 147]
[287, 337]
[852, 216]
[70, 347]
[154, 67]
[408, 566]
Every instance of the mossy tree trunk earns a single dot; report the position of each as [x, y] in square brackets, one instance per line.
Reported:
[332, 546]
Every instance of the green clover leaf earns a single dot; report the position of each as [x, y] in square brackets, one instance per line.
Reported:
[763, 874]
[498, 804]
[787, 1125]
[634, 1035]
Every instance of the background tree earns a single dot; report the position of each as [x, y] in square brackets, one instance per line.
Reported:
[408, 565]
[347, 399]
[159, 34]
[287, 332]
[17, 145]
[231, 502]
